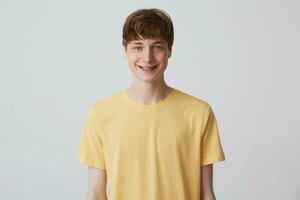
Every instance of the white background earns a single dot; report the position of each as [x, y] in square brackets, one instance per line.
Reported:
[57, 58]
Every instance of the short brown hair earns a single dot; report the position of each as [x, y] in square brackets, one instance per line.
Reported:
[148, 23]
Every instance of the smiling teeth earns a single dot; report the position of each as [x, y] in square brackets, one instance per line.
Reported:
[148, 67]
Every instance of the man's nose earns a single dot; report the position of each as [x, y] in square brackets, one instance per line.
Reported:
[148, 55]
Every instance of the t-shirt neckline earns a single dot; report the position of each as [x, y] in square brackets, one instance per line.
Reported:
[145, 107]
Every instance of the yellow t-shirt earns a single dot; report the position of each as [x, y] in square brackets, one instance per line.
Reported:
[151, 152]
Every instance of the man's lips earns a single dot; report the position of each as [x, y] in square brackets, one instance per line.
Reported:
[147, 67]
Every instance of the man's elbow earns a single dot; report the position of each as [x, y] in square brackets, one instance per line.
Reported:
[208, 195]
[96, 196]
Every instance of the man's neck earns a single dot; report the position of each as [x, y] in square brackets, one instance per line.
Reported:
[148, 93]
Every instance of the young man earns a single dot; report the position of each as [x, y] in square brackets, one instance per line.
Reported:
[150, 141]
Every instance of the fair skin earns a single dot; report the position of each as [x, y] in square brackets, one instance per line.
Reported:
[147, 87]
[207, 191]
[97, 181]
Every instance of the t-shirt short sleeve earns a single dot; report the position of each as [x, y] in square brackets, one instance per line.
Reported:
[90, 151]
[211, 148]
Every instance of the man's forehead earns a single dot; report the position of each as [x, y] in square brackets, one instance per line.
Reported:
[148, 41]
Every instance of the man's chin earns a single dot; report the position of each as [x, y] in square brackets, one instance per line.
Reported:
[146, 79]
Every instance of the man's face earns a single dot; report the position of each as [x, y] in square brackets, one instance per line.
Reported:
[148, 58]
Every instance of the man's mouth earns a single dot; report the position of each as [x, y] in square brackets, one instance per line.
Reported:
[148, 68]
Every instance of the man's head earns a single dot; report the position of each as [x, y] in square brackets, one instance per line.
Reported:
[148, 24]
[148, 38]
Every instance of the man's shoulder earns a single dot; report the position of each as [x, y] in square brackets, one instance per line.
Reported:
[108, 102]
[192, 101]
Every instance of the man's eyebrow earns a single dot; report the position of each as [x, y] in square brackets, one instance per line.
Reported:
[156, 42]
[137, 42]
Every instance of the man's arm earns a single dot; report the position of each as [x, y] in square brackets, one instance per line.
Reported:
[96, 184]
[207, 191]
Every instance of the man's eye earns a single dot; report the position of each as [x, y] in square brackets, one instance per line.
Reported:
[137, 48]
[159, 47]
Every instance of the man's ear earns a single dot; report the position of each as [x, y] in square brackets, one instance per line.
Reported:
[169, 53]
[125, 52]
